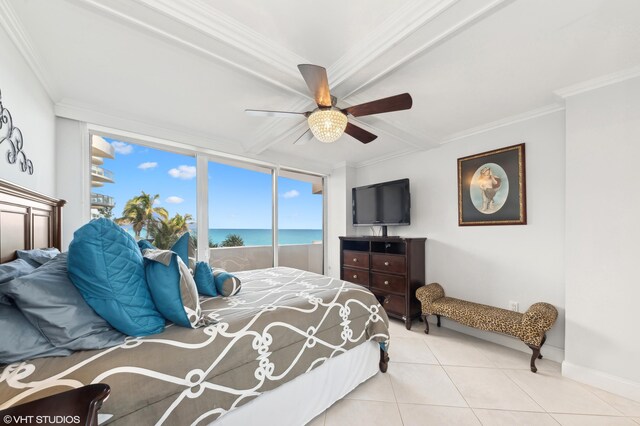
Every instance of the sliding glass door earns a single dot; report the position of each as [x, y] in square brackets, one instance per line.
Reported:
[240, 216]
[300, 221]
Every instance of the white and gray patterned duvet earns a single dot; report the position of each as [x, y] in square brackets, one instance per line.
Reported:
[283, 323]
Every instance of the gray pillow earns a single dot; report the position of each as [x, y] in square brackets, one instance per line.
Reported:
[20, 340]
[15, 269]
[38, 257]
[54, 306]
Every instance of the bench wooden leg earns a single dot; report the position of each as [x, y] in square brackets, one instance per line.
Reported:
[438, 320]
[535, 355]
[544, 339]
[426, 323]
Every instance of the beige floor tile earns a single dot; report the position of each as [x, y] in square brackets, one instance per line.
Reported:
[504, 357]
[420, 415]
[457, 350]
[626, 406]
[349, 412]
[318, 420]
[559, 395]
[583, 420]
[490, 388]
[397, 329]
[637, 419]
[377, 388]
[510, 418]
[405, 349]
[424, 384]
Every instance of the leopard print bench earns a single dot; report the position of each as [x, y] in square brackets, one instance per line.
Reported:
[530, 327]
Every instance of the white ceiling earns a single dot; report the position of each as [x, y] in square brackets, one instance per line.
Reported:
[187, 69]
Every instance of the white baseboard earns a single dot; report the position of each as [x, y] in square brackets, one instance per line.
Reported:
[553, 353]
[602, 380]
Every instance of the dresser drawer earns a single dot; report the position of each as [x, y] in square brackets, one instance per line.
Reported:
[356, 258]
[392, 283]
[394, 304]
[356, 276]
[389, 263]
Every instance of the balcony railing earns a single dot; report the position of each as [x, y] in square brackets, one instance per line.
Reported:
[101, 174]
[100, 200]
[307, 257]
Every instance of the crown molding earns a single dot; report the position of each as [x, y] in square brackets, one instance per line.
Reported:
[115, 119]
[503, 122]
[598, 82]
[434, 41]
[15, 30]
[386, 157]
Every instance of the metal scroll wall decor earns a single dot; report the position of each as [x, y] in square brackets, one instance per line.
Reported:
[13, 136]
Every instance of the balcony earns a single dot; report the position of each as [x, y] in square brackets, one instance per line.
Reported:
[101, 148]
[100, 200]
[100, 175]
[307, 257]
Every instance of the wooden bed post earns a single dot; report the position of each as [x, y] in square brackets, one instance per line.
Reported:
[384, 360]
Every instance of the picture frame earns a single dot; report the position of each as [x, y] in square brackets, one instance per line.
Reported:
[492, 188]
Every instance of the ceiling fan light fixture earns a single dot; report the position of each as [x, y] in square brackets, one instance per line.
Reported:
[327, 125]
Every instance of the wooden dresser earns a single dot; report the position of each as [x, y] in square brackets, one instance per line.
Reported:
[392, 268]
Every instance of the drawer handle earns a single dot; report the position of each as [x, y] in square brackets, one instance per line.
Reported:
[386, 263]
[355, 259]
[386, 283]
[355, 276]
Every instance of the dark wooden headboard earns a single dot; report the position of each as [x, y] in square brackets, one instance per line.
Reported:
[28, 220]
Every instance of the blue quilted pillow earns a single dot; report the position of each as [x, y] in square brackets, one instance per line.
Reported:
[204, 279]
[106, 266]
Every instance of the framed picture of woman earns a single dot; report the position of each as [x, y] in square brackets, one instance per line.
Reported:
[491, 188]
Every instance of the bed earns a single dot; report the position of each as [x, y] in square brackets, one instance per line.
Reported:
[289, 344]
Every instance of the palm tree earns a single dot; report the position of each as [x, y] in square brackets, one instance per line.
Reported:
[166, 232]
[139, 212]
[232, 240]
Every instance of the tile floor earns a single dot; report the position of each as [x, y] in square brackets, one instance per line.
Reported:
[449, 378]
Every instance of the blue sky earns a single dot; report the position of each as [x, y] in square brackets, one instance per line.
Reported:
[238, 198]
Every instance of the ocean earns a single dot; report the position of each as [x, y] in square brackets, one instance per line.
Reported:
[262, 237]
[259, 237]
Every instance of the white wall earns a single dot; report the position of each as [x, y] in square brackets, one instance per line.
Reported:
[338, 187]
[491, 264]
[72, 175]
[602, 238]
[32, 112]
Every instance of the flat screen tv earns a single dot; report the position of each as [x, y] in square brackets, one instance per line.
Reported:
[386, 203]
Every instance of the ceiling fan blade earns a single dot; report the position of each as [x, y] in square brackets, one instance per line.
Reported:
[304, 138]
[359, 133]
[266, 113]
[392, 103]
[316, 78]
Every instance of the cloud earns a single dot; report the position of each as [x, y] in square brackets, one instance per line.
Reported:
[291, 194]
[122, 148]
[156, 202]
[174, 200]
[148, 165]
[183, 172]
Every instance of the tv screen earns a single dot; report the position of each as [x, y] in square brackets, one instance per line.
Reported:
[387, 203]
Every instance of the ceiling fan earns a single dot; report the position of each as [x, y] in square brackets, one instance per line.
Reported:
[327, 122]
